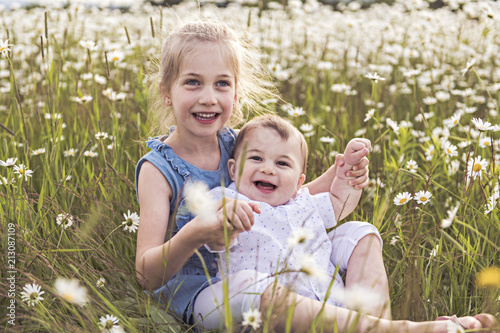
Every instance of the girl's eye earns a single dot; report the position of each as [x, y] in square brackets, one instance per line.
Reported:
[255, 158]
[281, 163]
[192, 82]
[223, 83]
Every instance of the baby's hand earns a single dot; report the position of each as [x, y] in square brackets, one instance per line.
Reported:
[356, 149]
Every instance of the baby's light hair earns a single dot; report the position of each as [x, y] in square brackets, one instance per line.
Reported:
[284, 129]
[251, 78]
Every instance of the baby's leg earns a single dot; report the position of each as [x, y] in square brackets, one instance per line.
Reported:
[357, 247]
[245, 290]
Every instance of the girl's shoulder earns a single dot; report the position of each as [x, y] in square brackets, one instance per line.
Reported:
[227, 136]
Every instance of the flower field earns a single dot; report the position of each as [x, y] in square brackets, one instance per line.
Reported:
[422, 84]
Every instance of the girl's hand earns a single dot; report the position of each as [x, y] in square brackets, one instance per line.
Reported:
[359, 172]
[238, 216]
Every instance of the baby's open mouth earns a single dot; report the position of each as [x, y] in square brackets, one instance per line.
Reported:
[264, 185]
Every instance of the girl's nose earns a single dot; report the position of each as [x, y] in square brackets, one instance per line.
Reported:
[208, 97]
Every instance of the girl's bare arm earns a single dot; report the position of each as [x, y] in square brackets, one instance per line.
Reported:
[156, 260]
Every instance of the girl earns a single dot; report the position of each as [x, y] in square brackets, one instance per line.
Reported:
[205, 71]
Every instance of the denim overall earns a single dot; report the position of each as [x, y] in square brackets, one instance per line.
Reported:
[181, 291]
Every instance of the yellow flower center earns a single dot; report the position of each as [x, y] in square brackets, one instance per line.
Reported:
[2, 48]
[487, 143]
[115, 59]
[402, 201]
[69, 297]
[423, 199]
[448, 150]
[21, 171]
[477, 167]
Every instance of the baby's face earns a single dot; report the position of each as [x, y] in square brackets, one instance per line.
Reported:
[272, 168]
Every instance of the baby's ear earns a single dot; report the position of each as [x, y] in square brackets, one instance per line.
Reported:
[231, 166]
[300, 182]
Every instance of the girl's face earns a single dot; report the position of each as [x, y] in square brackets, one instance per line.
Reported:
[202, 96]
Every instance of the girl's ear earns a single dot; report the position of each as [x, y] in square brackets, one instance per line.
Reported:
[165, 95]
[231, 166]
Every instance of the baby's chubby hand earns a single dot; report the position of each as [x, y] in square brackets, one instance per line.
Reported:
[355, 151]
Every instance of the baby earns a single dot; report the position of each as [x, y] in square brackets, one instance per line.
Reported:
[289, 239]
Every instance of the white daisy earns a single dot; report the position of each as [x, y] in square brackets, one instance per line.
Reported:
[359, 297]
[89, 153]
[485, 142]
[131, 222]
[252, 318]
[115, 56]
[300, 236]
[327, 139]
[422, 197]
[100, 283]
[38, 151]
[71, 291]
[306, 128]
[70, 152]
[476, 167]
[445, 223]
[296, 111]
[108, 323]
[402, 198]
[374, 77]
[22, 171]
[199, 202]
[309, 267]
[449, 149]
[393, 124]
[429, 153]
[65, 220]
[101, 135]
[369, 115]
[4, 46]
[452, 122]
[412, 166]
[434, 251]
[453, 167]
[481, 126]
[88, 44]
[32, 294]
[9, 162]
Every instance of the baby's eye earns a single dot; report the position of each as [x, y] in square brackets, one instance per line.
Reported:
[223, 83]
[192, 82]
[255, 158]
[282, 163]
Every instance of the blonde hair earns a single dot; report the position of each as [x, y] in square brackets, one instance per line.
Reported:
[284, 129]
[252, 81]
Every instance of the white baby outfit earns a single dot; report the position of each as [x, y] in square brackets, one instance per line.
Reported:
[265, 252]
